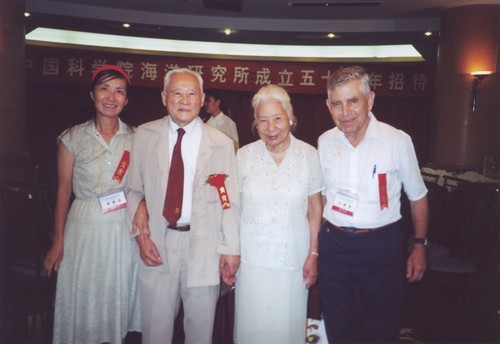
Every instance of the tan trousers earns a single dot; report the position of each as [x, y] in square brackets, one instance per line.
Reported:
[162, 293]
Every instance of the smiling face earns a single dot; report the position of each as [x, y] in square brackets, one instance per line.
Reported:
[183, 98]
[349, 108]
[273, 125]
[110, 97]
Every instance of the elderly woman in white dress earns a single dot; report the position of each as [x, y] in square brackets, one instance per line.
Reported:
[280, 184]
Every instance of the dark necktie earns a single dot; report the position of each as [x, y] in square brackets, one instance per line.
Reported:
[173, 200]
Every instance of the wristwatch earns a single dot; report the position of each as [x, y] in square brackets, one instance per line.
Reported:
[422, 241]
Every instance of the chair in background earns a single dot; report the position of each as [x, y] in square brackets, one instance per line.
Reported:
[28, 223]
[436, 305]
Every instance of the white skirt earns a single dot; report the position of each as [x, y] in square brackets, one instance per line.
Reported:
[271, 306]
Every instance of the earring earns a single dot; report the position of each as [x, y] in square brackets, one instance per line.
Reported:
[291, 122]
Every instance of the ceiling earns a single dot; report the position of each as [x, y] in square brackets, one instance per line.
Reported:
[292, 22]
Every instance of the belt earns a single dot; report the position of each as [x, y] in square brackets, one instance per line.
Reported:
[356, 231]
[184, 228]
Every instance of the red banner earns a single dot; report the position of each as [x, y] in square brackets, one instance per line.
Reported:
[46, 64]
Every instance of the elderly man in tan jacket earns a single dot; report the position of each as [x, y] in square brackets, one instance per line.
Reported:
[185, 260]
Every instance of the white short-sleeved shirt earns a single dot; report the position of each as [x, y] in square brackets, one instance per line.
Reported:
[384, 150]
[274, 230]
[226, 125]
[95, 160]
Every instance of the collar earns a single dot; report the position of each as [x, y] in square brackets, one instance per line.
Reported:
[90, 128]
[188, 128]
[218, 118]
[373, 130]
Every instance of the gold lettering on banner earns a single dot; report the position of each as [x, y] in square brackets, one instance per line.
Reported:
[149, 71]
[98, 63]
[307, 78]
[375, 81]
[50, 66]
[128, 67]
[218, 74]
[241, 75]
[196, 68]
[420, 82]
[75, 66]
[327, 75]
[170, 67]
[396, 81]
[285, 77]
[262, 77]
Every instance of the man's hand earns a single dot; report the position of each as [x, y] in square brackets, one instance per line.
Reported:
[140, 222]
[228, 267]
[149, 252]
[417, 263]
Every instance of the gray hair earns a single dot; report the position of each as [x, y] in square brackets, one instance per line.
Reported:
[172, 72]
[274, 92]
[344, 75]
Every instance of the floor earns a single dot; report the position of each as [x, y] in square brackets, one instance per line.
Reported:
[440, 309]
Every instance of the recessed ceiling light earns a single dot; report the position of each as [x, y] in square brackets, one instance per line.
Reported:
[331, 35]
[126, 25]
[428, 33]
[27, 14]
[228, 31]
[58, 37]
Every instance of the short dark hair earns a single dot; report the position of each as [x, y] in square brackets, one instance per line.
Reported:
[214, 93]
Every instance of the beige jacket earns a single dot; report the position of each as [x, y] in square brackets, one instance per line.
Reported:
[214, 231]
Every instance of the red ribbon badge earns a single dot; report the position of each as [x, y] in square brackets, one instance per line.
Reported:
[382, 191]
[122, 167]
[217, 180]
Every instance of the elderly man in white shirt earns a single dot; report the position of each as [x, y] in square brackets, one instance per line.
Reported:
[366, 164]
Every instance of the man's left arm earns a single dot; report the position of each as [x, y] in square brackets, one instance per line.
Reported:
[417, 261]
[229, 248]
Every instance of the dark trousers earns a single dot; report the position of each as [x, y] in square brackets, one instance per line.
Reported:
[361, 280]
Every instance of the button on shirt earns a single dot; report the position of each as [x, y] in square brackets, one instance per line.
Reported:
[189, 150]
[384, 150]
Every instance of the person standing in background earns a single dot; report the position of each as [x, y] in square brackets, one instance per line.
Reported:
[365, 164]
[219, 120]
[92, 246]
[280, 183]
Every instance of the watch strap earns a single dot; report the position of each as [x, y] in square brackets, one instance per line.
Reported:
[422, 241]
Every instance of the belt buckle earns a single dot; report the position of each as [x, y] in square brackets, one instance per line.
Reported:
[184, 228]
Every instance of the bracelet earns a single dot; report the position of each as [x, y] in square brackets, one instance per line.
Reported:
[315, 253]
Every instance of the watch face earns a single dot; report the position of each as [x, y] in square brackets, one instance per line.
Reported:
[422, 241]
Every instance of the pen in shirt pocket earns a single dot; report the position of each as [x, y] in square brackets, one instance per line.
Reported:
[374, 170]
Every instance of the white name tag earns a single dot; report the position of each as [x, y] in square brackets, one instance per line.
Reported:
[345, 202]
[112, 201]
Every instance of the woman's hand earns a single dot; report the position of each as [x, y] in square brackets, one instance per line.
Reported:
[228, 266]
[54, 257]
[310, 270]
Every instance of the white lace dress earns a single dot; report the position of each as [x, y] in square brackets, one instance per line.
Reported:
[271, 297]
[96, 283]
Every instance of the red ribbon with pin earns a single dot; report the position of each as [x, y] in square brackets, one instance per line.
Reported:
[382, 191]
[122, 167]
[217, 180]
